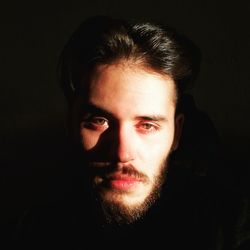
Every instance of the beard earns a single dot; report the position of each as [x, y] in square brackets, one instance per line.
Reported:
[110, 203]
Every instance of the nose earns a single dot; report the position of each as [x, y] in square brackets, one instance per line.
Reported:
[124, 144]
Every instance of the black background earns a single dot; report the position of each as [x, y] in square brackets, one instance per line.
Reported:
[33, 109]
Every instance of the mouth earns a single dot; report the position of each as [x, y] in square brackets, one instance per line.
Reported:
[123, 181]
[117, 177]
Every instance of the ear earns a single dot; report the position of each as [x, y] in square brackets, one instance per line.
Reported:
[179, 121]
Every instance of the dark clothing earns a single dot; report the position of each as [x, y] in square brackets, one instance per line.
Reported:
[193, 213]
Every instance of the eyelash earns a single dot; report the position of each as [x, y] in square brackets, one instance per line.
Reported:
[92, 122]
[98, 119]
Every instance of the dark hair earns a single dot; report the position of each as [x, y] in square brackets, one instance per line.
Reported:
[103, 40]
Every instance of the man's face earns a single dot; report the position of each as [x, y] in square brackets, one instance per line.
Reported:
[128, 129]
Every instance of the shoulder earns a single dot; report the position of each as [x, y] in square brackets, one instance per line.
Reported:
[41, 226]
[241, 230]
[209, 210]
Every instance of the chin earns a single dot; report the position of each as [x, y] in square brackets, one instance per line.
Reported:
[126, 208]
[118, 211]
[123, 200]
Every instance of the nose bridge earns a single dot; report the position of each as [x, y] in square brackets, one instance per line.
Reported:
[125, 143]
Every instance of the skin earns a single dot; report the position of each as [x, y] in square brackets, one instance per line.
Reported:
[128, 130]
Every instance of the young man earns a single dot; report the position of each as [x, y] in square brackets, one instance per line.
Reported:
[124, 82]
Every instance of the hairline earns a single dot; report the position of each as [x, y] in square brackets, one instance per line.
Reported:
[136, 63]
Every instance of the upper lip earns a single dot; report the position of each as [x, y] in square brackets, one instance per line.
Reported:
[123, 177]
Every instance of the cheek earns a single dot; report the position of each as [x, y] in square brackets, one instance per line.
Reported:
[155, 150]
[89, 139]
[160, 143]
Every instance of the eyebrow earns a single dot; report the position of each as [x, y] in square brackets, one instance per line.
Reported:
[95, 109]
[91, 108]
[158, 118]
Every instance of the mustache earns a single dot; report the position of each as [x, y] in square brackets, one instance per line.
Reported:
[107, 169]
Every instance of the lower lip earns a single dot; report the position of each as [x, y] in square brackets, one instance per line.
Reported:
[123, 184]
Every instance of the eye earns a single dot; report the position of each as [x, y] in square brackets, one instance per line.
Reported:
[147, 127]
[100, 121]
[96, 123]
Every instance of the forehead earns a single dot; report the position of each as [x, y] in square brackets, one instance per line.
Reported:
[126, 74]
[123, 88]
